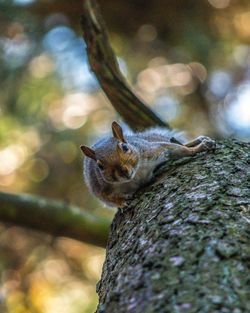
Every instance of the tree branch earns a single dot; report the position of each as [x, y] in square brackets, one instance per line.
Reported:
[53, 217]
[104, 64]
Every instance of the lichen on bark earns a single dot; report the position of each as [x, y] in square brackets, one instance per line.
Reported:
[182, 245]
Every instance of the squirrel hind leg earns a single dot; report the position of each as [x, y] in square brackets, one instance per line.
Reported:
[207, 144]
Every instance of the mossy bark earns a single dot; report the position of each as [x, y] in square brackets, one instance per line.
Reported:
[183, 245]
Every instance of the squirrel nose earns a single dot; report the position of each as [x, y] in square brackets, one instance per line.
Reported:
[126, 173]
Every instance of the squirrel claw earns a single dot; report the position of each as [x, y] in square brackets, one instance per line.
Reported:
[202, 138]
[123, 207]
[208, 143]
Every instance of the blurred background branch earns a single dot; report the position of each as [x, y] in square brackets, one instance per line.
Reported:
[53, 217]
[105, 66]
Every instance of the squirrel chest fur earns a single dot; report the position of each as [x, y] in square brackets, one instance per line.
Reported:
[116, 167]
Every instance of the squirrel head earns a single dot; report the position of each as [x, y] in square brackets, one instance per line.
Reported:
[115, 158]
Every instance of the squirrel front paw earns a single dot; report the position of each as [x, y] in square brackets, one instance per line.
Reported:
[207, 143]
[125, 201]
[202, 138]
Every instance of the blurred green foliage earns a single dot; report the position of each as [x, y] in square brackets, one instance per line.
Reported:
[190, 60]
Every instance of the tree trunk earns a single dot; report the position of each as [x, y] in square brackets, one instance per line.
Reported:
[183, 245]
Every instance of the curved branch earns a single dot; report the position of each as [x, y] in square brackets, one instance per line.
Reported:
[53, 217]
[104, 64]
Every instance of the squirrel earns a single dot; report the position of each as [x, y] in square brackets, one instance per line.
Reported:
[117, 166]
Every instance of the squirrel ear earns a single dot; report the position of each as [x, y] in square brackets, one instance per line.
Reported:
[117, 132]
[90, 153]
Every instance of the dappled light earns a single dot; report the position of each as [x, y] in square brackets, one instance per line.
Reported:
[52, 277]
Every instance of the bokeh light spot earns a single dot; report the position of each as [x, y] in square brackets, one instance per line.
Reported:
[220, 83]
[219, 4]
[41, 66]
[242, 24]
[39, 170]
[23, 2]
[11, 158]
[147, 33]
[238, 110]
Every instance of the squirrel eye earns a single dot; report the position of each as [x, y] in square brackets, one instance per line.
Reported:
[99, 164]
[124, 147]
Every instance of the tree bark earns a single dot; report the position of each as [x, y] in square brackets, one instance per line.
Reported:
[183, 245]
